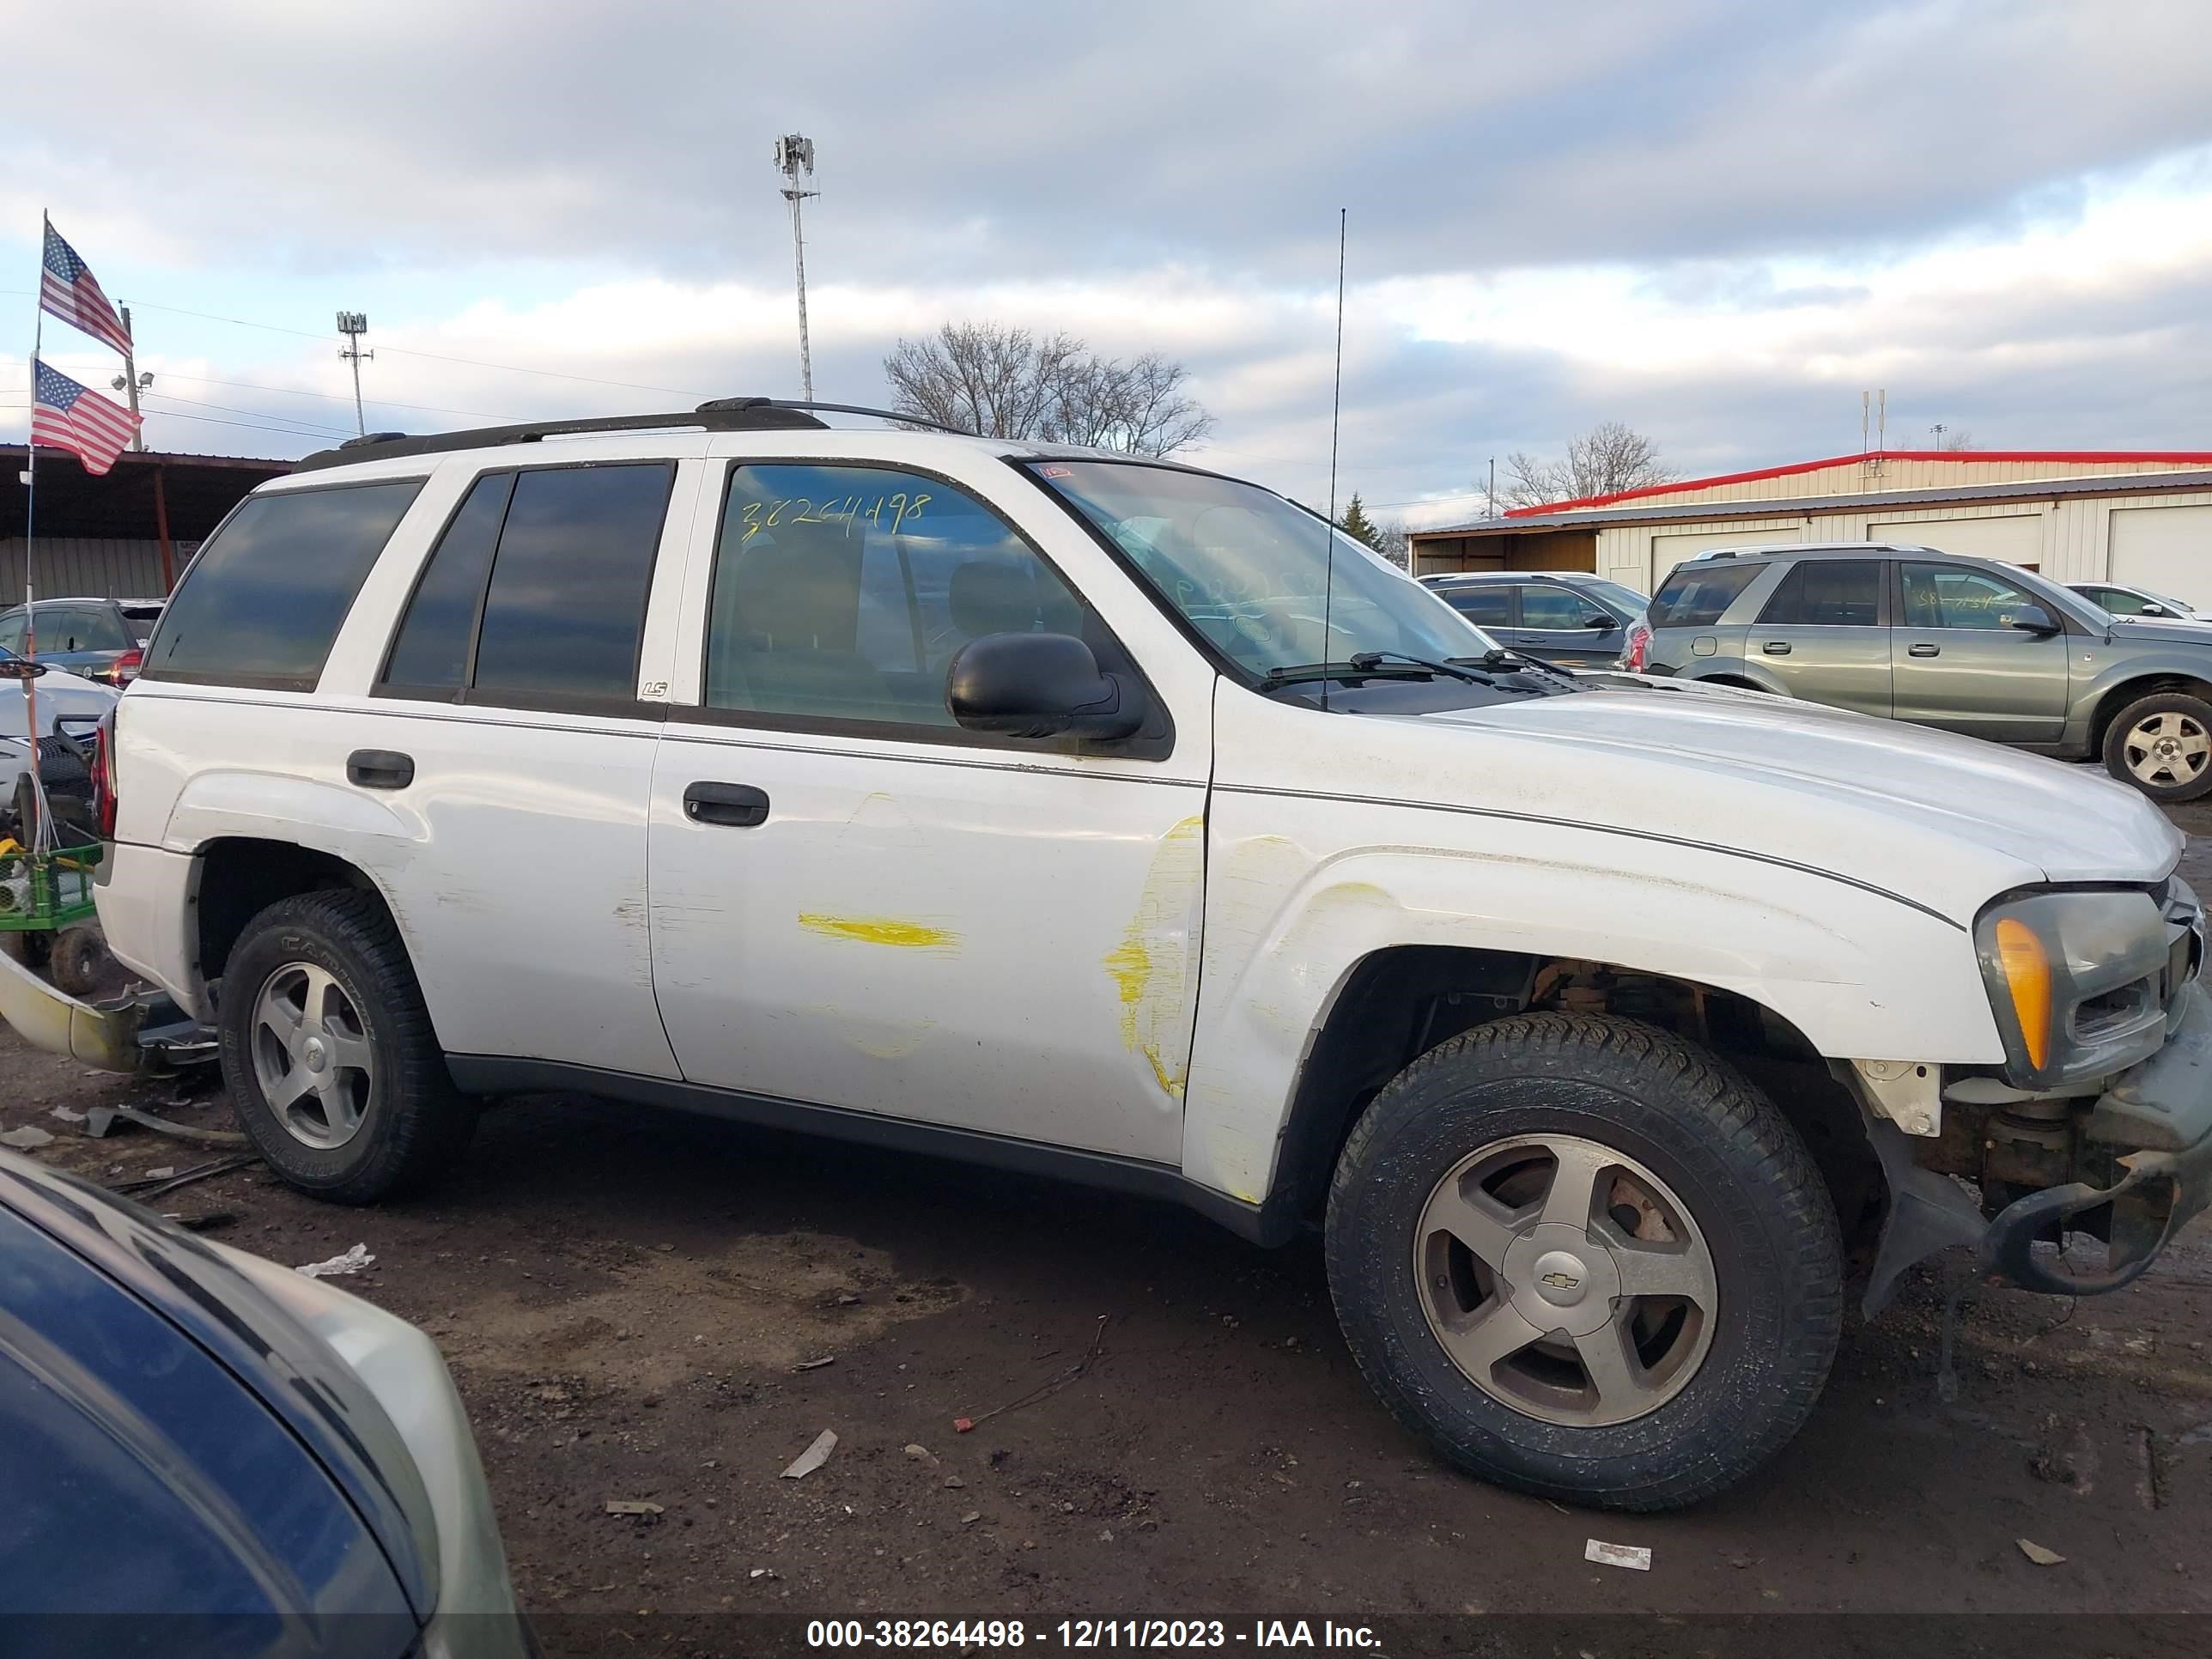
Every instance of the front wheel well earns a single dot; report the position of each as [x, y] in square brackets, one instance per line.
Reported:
[1400, 1003]
[2109, 705]
[242, 876]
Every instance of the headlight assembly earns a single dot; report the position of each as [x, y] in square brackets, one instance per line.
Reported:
[2081, 980]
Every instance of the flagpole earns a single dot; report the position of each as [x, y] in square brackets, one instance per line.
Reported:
[30, 526]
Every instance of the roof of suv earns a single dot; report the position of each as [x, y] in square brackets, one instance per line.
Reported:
[794, 419]
[1456, 578]
[1831, 550]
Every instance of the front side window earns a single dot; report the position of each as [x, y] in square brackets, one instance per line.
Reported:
[1955, 596]
[263, 601]
[843, 594]
[1827, 593]
[1559, 609]
[1697, 593]
[1255, 575]
[536, 592]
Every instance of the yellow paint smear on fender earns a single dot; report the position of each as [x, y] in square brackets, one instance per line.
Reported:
[1150, 967]
[879, 930]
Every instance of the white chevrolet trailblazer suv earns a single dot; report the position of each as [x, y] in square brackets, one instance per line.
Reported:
[1113, 819]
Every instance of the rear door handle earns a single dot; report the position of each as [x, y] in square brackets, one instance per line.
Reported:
[1775, 647]
[379, 769]
[1925, 651]
[737, 805]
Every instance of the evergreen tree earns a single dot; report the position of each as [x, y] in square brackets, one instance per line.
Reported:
[1361, 528]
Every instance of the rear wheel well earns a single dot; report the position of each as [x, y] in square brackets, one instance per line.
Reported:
[240, 877]
[2120, 696]
[1400, 1003]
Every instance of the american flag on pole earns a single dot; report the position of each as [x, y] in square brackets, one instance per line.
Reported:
[67, 415]
[67, 290]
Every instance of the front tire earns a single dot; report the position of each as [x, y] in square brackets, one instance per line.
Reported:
[2162, 746]
[1586, 1259]
[333, 1068]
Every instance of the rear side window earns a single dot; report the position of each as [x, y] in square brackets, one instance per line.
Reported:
[263, 598]
[1697, 594]
[1827, 593]
[536, 593]
[1487, 606]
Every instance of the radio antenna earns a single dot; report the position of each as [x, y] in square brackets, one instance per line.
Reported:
[1335, 409]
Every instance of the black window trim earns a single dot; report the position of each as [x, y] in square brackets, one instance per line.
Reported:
[1155, 743]
[467, 696]
[305, 684]
[1885, 611]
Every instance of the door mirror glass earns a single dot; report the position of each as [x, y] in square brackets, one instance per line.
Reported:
[2034, 619]
[1039, 685]
[1602, 624]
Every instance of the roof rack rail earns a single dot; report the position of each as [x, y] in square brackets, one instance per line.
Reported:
[717, 415]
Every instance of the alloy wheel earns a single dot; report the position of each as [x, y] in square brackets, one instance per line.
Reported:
[312, 1055]
[2168, 749]
[1565, 1280]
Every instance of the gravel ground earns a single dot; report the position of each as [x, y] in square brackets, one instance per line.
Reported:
[630, 1302]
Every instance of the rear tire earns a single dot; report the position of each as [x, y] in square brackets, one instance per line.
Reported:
[333, 1068]
[2162, 746]
[1655, 1330]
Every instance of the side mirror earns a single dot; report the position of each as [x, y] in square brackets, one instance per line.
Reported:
[1039, 685]
[2034, 619]
[1601, 624]
[2150, 610]
[13, 667]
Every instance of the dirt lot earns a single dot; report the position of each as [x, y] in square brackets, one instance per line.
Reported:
[629, 1300]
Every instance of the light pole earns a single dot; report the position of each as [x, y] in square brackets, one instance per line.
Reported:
[353, 325]
[794, 159]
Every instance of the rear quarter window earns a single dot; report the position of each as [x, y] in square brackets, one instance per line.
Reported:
[264, 597]
[1696, 594]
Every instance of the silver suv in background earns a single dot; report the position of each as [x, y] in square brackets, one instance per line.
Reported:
[1973, 645]
[1563, 616]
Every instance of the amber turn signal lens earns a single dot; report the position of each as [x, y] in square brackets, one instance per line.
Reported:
[2027, 975]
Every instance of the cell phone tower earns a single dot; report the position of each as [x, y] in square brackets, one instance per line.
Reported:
[794, 159]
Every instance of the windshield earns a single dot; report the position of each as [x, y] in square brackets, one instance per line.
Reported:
[2062, 601]
[1254, 574]
[1625, 599]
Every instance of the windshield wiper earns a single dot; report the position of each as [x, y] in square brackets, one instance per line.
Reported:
[1356, 668]
[1450, 671]
[1511, 661]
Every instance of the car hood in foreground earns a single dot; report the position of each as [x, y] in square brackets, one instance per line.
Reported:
[1944, 820]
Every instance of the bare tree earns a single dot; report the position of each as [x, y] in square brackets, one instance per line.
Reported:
[1608, 458]
[1395, 546]
[1004, 382]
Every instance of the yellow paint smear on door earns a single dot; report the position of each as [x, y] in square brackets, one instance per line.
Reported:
[879, 930]
[1151, 966]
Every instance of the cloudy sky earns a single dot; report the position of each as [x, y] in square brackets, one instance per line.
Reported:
[1717, 221]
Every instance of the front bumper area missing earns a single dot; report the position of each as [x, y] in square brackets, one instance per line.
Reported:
[2160, 1111]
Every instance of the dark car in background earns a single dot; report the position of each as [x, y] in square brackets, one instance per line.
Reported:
[208, 1455]
[1563, 616]
[1973, 646]
[99, 639]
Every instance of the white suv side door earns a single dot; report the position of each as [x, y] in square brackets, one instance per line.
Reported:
[499, 673]
[858, 905]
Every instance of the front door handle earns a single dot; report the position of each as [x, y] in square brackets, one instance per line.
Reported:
[1775, 647]
[1925, 651]
[379, 769]
[737, 805]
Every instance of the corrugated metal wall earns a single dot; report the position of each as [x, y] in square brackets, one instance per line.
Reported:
[76, 566]
[2074, 538]
[1856, 477]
